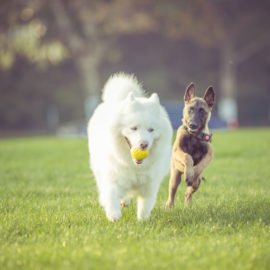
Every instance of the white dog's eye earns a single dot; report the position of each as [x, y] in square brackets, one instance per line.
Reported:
[134, 128]
[150, 129]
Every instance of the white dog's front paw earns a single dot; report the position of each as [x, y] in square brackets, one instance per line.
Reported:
[143, 214]
[145, 206]
[142, 217]
[113, 215]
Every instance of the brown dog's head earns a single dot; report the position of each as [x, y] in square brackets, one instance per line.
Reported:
[197, 111]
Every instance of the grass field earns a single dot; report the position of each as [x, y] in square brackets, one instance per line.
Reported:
[50, 217]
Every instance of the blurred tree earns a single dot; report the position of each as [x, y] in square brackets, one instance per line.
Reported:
[89, 29]
[85, 30]
[245, 27]
[238, 29]
[22, 32]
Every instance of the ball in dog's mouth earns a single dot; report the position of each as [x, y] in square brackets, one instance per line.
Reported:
[138, 154]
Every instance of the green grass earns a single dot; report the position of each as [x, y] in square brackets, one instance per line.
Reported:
[50, 217]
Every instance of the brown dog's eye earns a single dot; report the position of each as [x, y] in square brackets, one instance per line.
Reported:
[150, 129]
[201, 111]
[134, 128]
[191, 110]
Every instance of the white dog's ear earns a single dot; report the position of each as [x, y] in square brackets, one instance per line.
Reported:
[131, 103]
[154, 97]
[130, 97]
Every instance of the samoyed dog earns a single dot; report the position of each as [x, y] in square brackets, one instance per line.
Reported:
[127, 119]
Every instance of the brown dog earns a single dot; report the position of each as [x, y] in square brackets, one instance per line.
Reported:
[192, 151]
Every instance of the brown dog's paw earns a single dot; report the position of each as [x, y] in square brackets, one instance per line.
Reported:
[189, 181]
[189, 176]
[169, 205]
[188, 200]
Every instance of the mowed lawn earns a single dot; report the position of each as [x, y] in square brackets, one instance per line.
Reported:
[50, 217]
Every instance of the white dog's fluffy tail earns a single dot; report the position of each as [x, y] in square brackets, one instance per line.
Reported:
[119, 86]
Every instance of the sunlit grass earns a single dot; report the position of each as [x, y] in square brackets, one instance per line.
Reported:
[50, 217]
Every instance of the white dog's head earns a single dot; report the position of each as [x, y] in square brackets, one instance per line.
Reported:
[140, 122]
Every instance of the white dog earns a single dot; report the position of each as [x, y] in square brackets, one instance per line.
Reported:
[126, 119]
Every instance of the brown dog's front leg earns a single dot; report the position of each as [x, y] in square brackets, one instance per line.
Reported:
[189, 169]
[184, 163]
[175, 180]
[198, 169]
[191, 189]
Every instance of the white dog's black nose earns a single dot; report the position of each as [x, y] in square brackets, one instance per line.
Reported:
[144, 145]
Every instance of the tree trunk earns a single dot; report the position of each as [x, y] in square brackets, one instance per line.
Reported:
[227, 107]
[87, 52]
[88, 66]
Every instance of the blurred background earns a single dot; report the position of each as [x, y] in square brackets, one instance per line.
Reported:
[56, 55]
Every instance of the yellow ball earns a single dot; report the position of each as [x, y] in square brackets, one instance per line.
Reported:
[139, 154]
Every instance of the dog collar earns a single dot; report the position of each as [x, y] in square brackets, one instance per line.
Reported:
[202, 136]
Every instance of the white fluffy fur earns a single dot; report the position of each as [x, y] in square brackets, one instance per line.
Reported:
[119, 86]
[118, 176]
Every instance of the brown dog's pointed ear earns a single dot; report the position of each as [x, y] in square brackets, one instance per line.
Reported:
[190, 92]
[209, 96]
